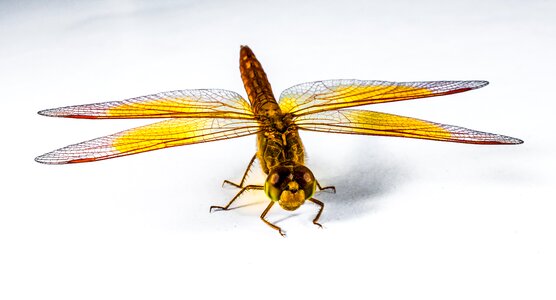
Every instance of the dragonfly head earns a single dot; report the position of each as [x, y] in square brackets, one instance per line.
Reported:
[290, 186]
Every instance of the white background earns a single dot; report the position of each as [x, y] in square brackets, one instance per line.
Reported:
[412, 219]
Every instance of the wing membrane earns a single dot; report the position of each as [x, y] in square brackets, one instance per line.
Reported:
[164, 134]
[318, 96]
[211, 103]
[376, 123]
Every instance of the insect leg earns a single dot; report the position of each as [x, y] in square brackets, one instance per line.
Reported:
[240, 185]
[249, 187]
[330, 187]
[267, 222]
[317, 202]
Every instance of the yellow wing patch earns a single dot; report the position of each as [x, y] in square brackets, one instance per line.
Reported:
[318, 96]
[382, 124]
[208, 103]
[165, 134]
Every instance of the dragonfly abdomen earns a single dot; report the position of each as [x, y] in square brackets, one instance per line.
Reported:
[256, 84]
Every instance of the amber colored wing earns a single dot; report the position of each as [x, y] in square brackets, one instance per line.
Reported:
[376, 123]
[318, 96]
[164, 134]
[211, 103]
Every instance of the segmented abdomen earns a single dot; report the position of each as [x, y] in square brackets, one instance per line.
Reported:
[255, 81]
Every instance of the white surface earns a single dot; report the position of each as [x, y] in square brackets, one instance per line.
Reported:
[411, 219]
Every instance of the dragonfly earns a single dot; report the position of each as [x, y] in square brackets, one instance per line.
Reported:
[204, 115]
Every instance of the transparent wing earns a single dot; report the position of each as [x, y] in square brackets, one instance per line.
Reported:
[164, 134]
[211, 103]
[318, 96]
[382, 124]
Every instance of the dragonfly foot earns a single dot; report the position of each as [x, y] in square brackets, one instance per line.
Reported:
[330, 187]
[277, 228]
[217, 208]
[232, 184]
[243, 189]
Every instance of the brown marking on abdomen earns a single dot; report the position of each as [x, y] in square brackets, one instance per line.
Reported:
[256, 83]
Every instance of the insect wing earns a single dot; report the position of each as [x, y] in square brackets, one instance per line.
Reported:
[208, 103]
[318, 96]
[376, 123]
[164, 134]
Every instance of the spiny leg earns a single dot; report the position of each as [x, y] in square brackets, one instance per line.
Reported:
[249, 187]
[330, 187]
[240, 185]
[317, 202]
[267, 222]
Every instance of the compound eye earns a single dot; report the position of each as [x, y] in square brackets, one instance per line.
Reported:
[306, 180]
[278, 176]
[303, 175]
[276, 182]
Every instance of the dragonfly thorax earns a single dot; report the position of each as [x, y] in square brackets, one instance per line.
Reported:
[279, 143]
[290, 185]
